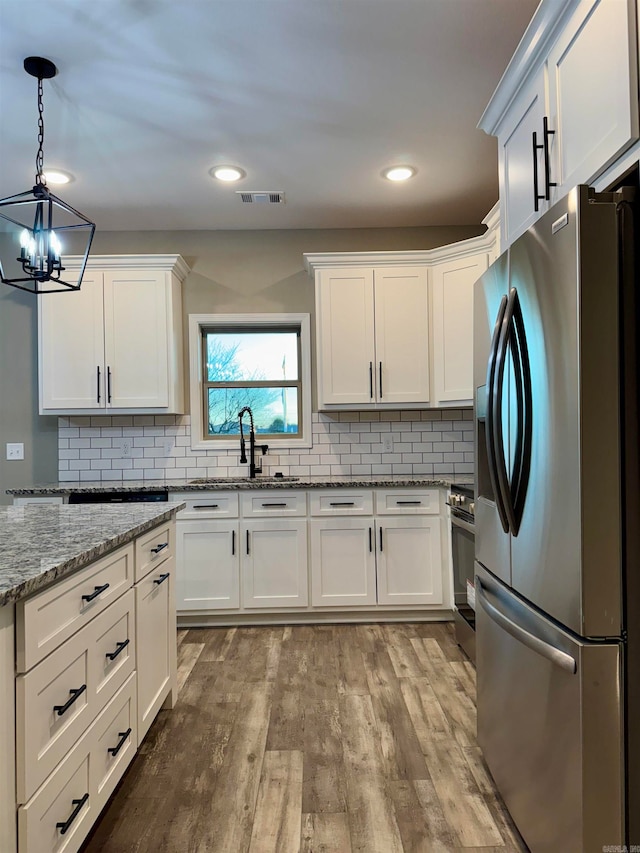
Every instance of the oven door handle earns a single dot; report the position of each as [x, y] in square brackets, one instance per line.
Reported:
[465, 525]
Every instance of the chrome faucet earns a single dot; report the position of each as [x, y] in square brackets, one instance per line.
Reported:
[253, 468]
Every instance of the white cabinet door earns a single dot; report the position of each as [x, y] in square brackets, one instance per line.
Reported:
[409, 561]
[155, 641]
[136, 339]
[274, 563]
[345, 328]
[452, 288]
[593, 98]
[402, 335]
[516, 161]
[208, 565]
[343, 562]
[71, 347]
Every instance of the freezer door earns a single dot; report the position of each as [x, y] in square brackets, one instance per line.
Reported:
[489, 301]
[566, 555]
[549, 724]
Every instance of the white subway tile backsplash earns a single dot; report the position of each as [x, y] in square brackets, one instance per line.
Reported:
[159, 447]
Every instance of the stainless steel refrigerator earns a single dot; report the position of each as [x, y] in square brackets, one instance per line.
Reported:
[557, 519]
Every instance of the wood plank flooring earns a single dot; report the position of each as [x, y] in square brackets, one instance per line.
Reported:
[312, 739]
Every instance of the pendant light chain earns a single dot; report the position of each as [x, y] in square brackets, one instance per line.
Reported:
[40, 178]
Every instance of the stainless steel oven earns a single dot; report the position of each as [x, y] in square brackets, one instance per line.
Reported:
[462, 505]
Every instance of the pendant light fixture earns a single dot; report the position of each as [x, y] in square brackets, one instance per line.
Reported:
[37, 227]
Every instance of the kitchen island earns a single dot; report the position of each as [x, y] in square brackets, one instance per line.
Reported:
[87, 658]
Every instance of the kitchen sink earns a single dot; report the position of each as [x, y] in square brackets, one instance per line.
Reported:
[258, 479]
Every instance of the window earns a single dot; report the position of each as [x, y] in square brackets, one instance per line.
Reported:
[261, 361]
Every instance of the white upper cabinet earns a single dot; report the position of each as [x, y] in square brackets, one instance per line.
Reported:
[566, 107]
[114, 346]
[394, 329]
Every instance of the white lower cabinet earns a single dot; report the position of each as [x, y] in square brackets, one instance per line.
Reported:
[409, 561]
[209, 548]
[343, 562]
[274, 563]
[85, 700]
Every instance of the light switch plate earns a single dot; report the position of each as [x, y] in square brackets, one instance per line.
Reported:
[15, 450]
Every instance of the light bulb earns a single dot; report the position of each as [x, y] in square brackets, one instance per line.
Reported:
[54, 245]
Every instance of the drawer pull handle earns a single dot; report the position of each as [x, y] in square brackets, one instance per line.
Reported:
[75, 693]
[96, 592]
[342, 503]
[64, 826]
[114, 750]
[273, 505]
[381, 548]
[206, 506]
[408, 503]
[233, 543]
[162, 578]
[159, 547]
[119, 647]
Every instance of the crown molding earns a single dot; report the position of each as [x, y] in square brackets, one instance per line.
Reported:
[173, 263]
[548, 20]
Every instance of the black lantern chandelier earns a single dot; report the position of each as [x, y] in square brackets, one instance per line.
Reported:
[36, 226]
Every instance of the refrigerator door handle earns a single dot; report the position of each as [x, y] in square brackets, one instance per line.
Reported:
[551, 653]
[495, 404]
[524, 405]
[490, 424]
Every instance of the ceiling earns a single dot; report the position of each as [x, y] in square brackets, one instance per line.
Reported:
[310, 97]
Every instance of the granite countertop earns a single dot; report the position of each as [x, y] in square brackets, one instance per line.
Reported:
[242, 483]
[42, 543]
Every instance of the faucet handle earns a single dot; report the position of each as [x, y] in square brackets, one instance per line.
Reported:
[263, 448]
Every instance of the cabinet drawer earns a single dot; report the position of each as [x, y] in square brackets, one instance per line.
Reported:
[153, 549]
[97, 661]
[268, 504]
[115, 740]
[341, 502]
[47, 619]
[210, 505]
[65, 793]
[407, 501]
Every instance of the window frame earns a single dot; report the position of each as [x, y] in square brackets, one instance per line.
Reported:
[198, 324]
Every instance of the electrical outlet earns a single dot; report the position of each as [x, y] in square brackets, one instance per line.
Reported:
[387, 443]
[15, 450]
[126, 448]
[169, 444]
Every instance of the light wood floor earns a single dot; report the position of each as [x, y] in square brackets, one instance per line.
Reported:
[313, 739]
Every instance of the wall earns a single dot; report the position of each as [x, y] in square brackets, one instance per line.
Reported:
[232, 272]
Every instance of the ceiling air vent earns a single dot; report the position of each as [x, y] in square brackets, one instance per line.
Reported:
[261, 197]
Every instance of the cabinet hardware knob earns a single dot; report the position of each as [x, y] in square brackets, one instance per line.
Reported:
[64, 825]
[119, 648]
[96, 592]
[75, 693]
[114, 750]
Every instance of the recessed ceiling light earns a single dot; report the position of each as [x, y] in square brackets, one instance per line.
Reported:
[57, 176]
[399, 173]
[228, 174]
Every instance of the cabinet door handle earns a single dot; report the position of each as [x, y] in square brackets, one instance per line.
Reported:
[380, 375]
[233, 543]
[275, 505]
[247, 541]
[97, 383]
[370, 540]
[162, 578]
[371, 380]
[108, 384]
[409, 503]
[96, 592]
[119, 648]
[536, 195]
[206, 506]
[548, 183]
[342, 503]
[63, 826]
[381, 548]
[159, 548]
[114, 750]
[75, 693]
